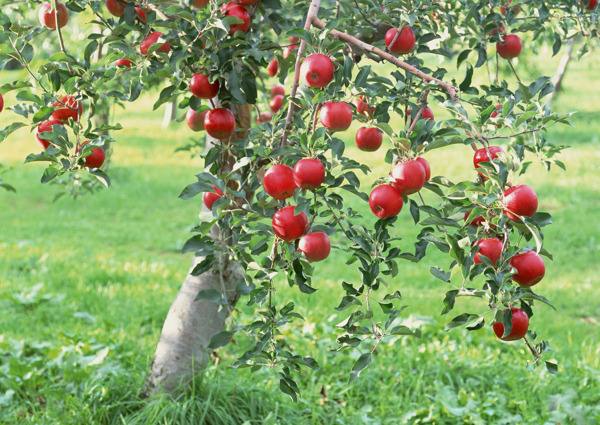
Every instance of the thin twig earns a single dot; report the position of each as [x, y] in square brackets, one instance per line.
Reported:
[59, 33]
[367, 20]
[514, 71]
[518, 134]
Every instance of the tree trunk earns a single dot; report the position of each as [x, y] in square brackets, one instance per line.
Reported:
[562, 69]
[182, 350]
[170, 113]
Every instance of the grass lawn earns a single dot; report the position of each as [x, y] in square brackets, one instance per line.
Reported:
[86, 284]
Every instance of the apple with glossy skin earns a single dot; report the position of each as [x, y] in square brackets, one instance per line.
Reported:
[476, 222]
[239, 12]
[287, 225]
[273, 68]
[309, 173]
[511, 48]
[520, 325]
[363, 107]
[150, 40]
[426, 167]
[1, 102]
[276, 103]
[219, 123]
[209, 198]
[42, 127]
[47, 16]
[481, 155]
[264, 117]
[123, 63]
[115, 7]
[385, 201]
[68, 107]
[490, 248]
[405, 42]
[315, 246]
[519, 200]
[530, 268]
[201, 4]
[95, 159]
[141, 13]
[409, 176]
[277, 89]
[317, 70]
[201, 87]
[336, 116]
[368, 139]
[195, 120]
[279, 181]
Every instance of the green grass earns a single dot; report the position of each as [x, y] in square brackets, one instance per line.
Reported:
[86, 284]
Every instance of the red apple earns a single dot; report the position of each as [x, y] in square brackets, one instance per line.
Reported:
[1, 102]
[201, 87]
[481, 155]
[309, 173]
[264, 117]
[42, 127]
[273, 67]
[426, 167]
[591, 4]
[363, 107]
[426, 114]
[405, 42]
[209, 198]
[516, 9]
[530, 268]
[511, 48]
[115, 7]
[277, 89]
[317, 70]
[409, 176]
[67, 108]
[276, 103]
[336, 116]
[201, 4]
[279, 181]
[519, 200]
[195, 120]
[315, 246]
[476, 222]
[490, 248]
[47, 16]
[150, 40]
[496, 112]
[95, 159]
[141, 13]
[239, 12]
[286, 52]
[368, 139]
[287, 225]
[385, 201]
[219, 123]
[520, 324]
[123, 63]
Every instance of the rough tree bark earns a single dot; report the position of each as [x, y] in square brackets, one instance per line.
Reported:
[182, 350]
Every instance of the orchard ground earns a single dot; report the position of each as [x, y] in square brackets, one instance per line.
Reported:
[86, 284]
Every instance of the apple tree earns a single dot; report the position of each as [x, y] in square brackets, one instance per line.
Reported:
[277, 184]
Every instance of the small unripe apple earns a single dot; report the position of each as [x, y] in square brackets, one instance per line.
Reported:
[209, 198]
[315, 246]
[368, 139]
[405, 42]
[123, 63]
[520, 325]
[67, 107]
[287, 225]
[385, 201]
[336, 116]
[201, 87]
[273, 67]
[279, 181]
[409, 176]
[277, 89]
[519, 200]
[47, 15]
[195, 120]
[95, 159]
[511, 48]
[150, 40]
[317, 70]
[309, 173]
[530, 268]
[239, 12]
[490, 248]
[486, 155]
[276, 103]
[42, 127]
[426, 167]
[219, 123]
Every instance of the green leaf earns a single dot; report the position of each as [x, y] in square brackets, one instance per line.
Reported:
[285, 387]
[211, 296]
[362, 76]
[449, 300]
[347, 301]
[468, 78]
[460, 320]
[101, 176]
[10, 129]
[440, 274]
[551, 367]
[363, 361]
[204, 266]
[195, 188]
[220, 339]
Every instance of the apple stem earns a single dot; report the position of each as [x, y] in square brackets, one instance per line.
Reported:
[514, 71]
[58, 32]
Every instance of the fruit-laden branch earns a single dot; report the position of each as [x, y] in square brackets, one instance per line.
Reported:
[388, 57]
[313, 9]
